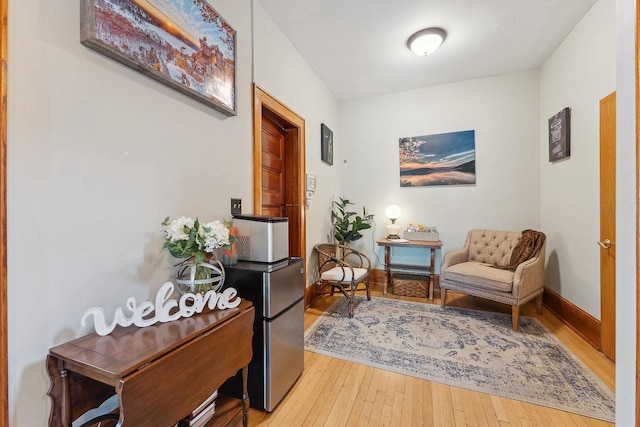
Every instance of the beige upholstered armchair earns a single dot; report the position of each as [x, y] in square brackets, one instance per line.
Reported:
[345, 269]
[469, 270]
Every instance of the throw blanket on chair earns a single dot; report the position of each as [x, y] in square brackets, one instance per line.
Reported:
[528, 247]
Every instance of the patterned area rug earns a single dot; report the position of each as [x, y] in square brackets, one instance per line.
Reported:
[471, 349]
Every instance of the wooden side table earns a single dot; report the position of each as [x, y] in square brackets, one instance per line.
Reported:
[160, 373]
[414, 244]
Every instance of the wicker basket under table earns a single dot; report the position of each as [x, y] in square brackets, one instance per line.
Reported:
[410, 285]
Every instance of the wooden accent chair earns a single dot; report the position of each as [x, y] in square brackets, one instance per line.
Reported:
[468, 270]
[343, 268]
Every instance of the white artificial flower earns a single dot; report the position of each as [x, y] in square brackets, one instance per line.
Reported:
[175, 230]
[215, 236]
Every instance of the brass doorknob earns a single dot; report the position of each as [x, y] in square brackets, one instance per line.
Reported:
[606, 244]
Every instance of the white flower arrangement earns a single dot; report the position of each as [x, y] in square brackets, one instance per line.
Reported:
[186, 237]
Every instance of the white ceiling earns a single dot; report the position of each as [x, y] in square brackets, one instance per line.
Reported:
[358, 47]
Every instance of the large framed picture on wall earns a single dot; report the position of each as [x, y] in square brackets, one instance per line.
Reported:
[185, 45]
[438, 159]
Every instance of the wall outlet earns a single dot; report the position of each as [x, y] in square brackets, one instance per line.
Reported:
[236, 206]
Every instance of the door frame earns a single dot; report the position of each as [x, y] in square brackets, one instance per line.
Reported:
[637, 106]
[4, 349]
[261, 101]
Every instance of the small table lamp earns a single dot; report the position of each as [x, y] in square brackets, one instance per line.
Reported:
[393, 213]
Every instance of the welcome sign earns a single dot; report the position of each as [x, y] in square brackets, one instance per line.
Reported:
[164, 310]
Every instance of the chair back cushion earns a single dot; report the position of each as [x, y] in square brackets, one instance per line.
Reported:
[492, 246]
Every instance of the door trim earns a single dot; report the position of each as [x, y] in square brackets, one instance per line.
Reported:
[4, 365]
[263, 100]
[637, 106]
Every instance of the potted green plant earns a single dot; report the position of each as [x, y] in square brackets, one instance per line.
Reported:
[347, 224]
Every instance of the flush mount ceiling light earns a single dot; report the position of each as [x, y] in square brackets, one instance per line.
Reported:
[426, 41]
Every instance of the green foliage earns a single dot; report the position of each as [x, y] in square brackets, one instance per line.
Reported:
[186, 238]
[185, 248]
[348, 224]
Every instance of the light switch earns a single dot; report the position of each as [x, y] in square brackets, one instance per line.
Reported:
[236, 206]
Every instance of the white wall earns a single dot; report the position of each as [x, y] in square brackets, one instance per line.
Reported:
[281, 71]
[98, 156]
[577, 75]
[502, 110]
[626, 209]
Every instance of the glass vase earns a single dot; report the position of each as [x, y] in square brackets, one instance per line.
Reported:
[200, 278]
[227, 257]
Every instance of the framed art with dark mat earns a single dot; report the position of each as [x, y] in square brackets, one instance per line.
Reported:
[326, 136]
[560, 135]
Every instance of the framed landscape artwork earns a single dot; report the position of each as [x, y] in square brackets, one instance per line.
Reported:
[326, 136]
[560, 135]
[183, 44]
[440, 159]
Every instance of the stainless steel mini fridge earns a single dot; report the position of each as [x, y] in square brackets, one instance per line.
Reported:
[277, 292]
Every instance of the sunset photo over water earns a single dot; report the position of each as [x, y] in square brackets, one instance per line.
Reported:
[440, 159]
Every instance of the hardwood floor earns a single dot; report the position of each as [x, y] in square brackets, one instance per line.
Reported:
[333, 392]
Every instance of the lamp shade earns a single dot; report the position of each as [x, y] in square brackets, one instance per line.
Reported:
[426, 41]
[392, 212]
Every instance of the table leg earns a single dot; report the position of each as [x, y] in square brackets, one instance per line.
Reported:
[66, 398]
[387, 261]
[245, 372]
[432, 273]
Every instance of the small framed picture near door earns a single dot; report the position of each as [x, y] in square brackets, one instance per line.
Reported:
[560, 135]
[326, 136]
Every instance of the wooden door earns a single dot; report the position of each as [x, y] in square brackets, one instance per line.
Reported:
[608, 225]
[279, 166]
[273, 164]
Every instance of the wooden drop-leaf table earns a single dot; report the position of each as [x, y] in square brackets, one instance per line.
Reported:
[160, 373]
